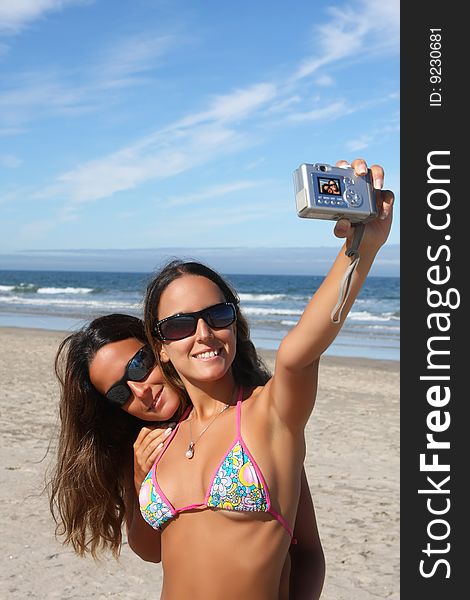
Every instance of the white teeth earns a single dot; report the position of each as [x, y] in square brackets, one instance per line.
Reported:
[210, 354]
[157, 398]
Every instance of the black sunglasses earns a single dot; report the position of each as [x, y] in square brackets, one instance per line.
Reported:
[137, 369]
[183, 325]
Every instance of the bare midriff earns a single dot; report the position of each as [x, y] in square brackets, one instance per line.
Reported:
[210, 553]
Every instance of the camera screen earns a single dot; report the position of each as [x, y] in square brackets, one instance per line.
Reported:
[329, 186]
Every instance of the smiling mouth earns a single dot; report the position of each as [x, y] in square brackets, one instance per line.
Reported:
[156, 400]
[206, 355]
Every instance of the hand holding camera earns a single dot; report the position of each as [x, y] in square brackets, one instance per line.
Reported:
[351, 195]
[346, 193]
[334, 193]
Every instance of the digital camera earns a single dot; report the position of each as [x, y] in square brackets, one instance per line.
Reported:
[332, 193]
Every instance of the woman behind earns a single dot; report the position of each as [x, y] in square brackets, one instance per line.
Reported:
[93, 474]
[226, 522]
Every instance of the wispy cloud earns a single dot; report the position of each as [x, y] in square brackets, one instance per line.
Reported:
[35, 95]
[370, 26]
[330, 111]
[324, 81]
[191, 141]
[130, 58]
[11, 131]
[382, 131]
[155, 157]
[17, 14]
[234, 106]
[131, 61]
[53, 93]
[216, 191]
[9, 161]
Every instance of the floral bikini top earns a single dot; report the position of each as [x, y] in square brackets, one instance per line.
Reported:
[237, 484]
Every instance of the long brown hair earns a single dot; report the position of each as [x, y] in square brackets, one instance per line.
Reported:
[248, 368]
[94, 466]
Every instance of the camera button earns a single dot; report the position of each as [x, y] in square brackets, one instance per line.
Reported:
[355, 200]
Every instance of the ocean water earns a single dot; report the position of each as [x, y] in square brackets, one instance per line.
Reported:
[62, 300]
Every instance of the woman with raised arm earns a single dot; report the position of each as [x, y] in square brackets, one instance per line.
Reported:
[226, 521]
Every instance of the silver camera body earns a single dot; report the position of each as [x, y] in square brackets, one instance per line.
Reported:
[332, 193]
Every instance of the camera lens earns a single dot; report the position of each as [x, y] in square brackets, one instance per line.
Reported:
[322, 168]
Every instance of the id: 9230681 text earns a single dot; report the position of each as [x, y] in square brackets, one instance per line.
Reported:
[435, 67]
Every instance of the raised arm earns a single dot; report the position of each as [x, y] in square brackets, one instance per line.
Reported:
[293, 387]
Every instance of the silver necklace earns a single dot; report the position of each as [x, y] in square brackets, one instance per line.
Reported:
[190, 451]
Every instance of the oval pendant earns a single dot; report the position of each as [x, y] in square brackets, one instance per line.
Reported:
[190, 451]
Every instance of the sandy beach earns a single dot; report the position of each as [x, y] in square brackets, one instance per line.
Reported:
[352, 465]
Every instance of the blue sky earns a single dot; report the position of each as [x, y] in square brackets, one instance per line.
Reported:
[158, 123]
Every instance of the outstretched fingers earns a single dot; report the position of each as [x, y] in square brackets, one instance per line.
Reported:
[384, 198]
[385, 204]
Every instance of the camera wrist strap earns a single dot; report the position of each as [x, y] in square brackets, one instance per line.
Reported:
[353, 253]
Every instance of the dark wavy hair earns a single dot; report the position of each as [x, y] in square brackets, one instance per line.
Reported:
[248, 368]
[94, 466]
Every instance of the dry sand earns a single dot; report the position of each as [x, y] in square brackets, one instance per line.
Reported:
[352, 465]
